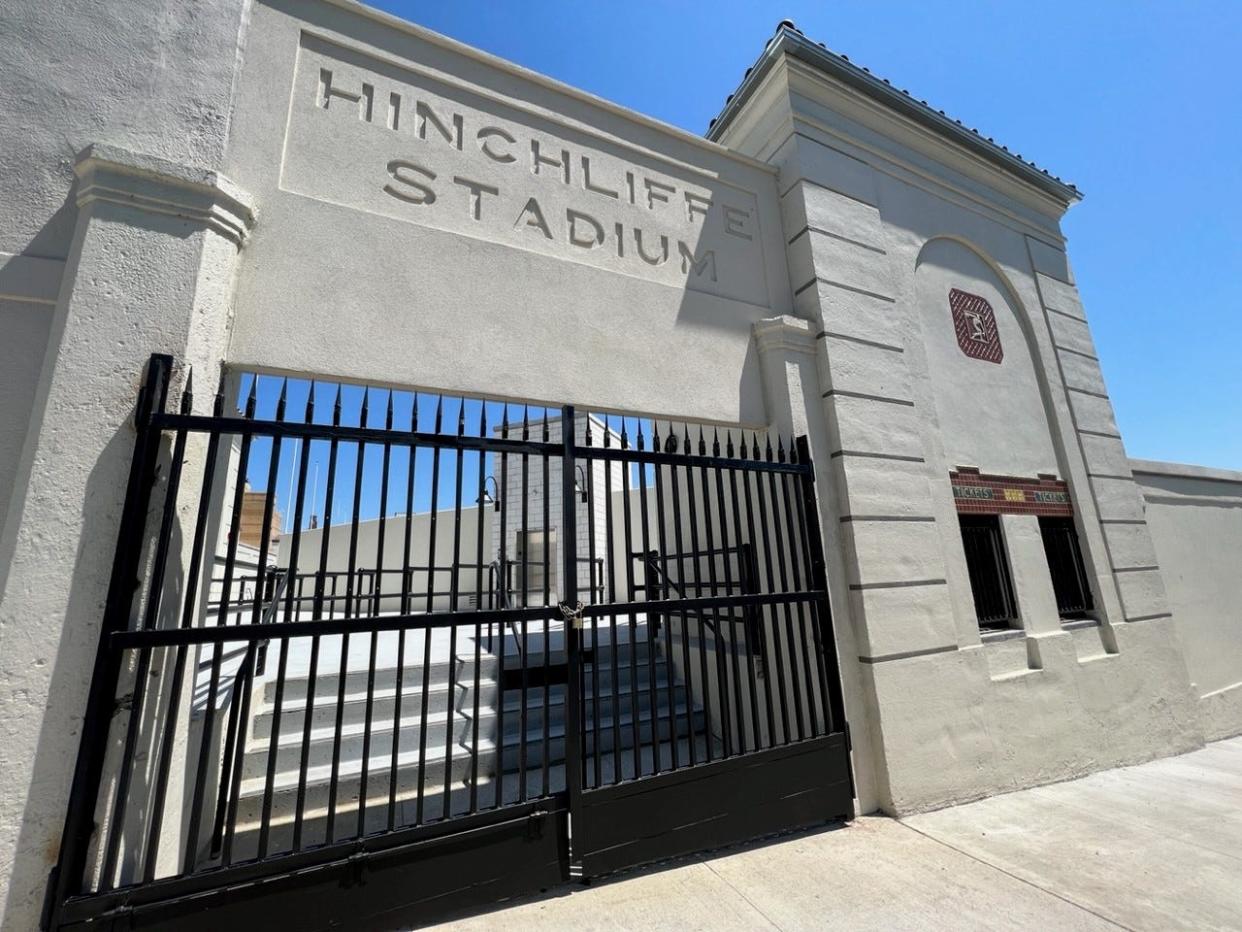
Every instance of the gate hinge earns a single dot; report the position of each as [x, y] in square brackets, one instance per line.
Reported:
[534, 824]
[355, 869]
[572, 613]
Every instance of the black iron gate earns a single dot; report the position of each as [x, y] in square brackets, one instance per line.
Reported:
[381, 720]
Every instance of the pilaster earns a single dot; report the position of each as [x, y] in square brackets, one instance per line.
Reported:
[842, 278]
[788, 360]
[151, 270]
[1133, 571]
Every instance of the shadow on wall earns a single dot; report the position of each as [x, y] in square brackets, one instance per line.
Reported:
[23, 416]
[61, 723]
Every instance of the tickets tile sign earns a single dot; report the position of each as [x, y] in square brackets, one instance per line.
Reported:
[975, 493]
[398, 141]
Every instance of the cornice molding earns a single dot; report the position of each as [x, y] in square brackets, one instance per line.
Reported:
[788, 44]
[784, 334]
[110, 174]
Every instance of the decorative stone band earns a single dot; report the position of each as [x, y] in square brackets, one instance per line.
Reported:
[155, 185]
[976, 494]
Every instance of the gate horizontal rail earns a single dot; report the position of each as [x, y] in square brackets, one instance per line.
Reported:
[343, 700]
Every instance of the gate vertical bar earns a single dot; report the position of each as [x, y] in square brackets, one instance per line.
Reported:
[569, 588]
[79, 822]
[819, 580]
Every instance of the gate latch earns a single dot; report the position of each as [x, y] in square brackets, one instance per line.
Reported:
[572, 614]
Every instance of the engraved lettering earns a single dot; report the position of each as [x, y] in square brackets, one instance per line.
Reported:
[697, 204]
[657, 191]
[423, 115]
[689, 261]
[735, 221]
[536, 160]
[363, 99]
[594, 238]
[651, 260]
[484, 136]
[399, 170]
[394, 111]
[532, 216]
[477, 190]
[586, 180]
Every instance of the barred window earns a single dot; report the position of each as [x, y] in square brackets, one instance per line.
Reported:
[1069, 575]
[990, 580]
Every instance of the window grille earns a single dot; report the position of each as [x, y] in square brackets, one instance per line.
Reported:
[990, 580]
[1069, 575]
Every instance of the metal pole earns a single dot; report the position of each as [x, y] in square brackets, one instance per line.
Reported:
[572, 610]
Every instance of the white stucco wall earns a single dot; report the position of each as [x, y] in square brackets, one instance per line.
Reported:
[1195, 516]
[351, 232]
[154, 76]
[882, 218]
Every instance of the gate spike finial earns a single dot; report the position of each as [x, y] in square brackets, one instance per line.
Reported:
[607, 431]
[670, 445]
[586, 433]
[780, 448]
[547, 435]
[685, 439]
[461, 419]
[715, 442]
[187, 393]
[702, 442]
[625, 440]
[504, 419]
[755, 440]
[525, 422]
[414, 415]
[793, 450]
[655, 436]
[768, 451]
[388, 413]
[253, 398]
[310, 404]
[640, 434]
[281, 401]
[366, 407]
[439, 412]
[729, 444]
[482, 420]
[336, 405]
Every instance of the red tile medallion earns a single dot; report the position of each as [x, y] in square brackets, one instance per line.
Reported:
[975, 325]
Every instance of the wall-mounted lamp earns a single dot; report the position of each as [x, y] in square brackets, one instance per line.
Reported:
[580, 485]
[487, 498]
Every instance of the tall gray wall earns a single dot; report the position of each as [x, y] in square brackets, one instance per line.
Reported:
[1195, 516]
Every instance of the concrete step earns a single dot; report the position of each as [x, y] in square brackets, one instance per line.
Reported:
[384, 696]
[322, 738]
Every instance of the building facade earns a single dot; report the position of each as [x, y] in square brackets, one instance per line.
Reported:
[319, 190]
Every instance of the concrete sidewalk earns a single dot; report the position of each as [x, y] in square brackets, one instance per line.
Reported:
[1157, 846]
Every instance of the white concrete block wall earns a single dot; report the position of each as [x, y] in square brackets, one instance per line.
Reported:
[1194, 519]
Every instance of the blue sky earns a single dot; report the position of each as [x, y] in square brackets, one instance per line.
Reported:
[1137, 103]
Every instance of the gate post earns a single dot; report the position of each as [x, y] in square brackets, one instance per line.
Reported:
[573, 622]
[92, 748]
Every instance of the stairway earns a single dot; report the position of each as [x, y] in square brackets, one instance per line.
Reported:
[452, 763]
